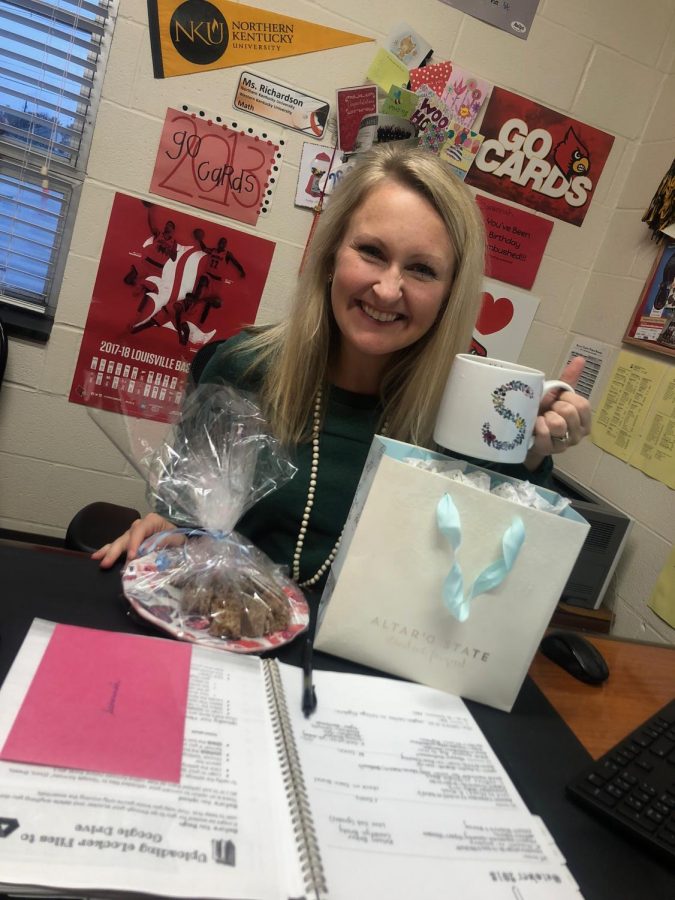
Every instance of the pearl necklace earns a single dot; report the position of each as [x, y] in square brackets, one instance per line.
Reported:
[295, 571]
[309, 582]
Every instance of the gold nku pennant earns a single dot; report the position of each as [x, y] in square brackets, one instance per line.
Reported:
[189, 36]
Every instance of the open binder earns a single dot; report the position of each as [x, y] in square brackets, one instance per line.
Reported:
[389, 789]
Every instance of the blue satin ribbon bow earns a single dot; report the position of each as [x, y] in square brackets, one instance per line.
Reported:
[449, 524]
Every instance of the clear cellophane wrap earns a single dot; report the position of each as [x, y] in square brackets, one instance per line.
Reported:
[215, 464]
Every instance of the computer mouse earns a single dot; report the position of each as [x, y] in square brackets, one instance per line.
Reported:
[576, 655]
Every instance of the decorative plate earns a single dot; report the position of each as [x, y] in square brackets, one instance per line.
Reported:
[148, 590]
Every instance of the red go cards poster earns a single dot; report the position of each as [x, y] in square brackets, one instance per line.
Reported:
[167, 284]
[538, 157]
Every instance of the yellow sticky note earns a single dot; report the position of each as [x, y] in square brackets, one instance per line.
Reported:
[662, 600]
[386, 71]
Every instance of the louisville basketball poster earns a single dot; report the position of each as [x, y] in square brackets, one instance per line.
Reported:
[167, 283]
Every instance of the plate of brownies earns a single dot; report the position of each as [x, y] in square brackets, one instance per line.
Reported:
[244, 609]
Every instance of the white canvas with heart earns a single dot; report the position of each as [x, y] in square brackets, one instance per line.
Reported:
[504, 320]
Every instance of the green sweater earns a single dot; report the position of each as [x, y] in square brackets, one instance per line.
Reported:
[348, 427]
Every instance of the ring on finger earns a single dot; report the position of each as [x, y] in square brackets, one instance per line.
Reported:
[561, 440]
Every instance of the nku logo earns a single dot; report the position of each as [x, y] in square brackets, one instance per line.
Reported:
[199, 32]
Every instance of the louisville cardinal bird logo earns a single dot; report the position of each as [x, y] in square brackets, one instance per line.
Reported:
[477, 349]
[571, 157]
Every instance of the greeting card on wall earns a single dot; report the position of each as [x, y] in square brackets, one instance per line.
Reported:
[353, 104]
[435, 76]
[503, 322]
[188, 36]
[516, 241]
[538, 157]
[387, 71]
[224, 168]
[430, 111]
[167, 283]
[459, 148]
[340, 167]
[407, 45]
[432, 139]
[399, 102]
[465, 95]
[315, 165]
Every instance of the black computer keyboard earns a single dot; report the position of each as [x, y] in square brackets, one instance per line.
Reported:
[633, 785]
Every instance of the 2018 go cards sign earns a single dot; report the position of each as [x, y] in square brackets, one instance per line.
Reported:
[538, 157]
[189, 36]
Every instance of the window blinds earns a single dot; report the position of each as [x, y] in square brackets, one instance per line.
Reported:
[50, 56]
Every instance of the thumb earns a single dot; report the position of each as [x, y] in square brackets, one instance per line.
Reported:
[572, 371]
[570, 375]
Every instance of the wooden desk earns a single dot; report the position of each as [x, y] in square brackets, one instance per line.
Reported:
[641, 681]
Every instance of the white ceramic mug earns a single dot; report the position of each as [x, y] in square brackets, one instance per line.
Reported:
[489, 408]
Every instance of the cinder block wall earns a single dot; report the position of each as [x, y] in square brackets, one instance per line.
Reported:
[608, 63]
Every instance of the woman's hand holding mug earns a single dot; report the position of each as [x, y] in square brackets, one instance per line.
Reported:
[564, 418]
[503, 412]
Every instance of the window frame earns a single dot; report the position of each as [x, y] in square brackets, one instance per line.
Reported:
[19, 316]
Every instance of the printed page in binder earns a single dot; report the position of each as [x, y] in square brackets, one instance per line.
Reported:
[388, 790]
[223, 832]
[408, 798]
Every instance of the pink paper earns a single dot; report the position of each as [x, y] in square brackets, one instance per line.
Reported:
[217, 167]
[105, 702]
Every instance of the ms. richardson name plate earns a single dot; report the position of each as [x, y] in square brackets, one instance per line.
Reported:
[280, 103]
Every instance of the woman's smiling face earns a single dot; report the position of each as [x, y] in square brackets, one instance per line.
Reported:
[393, 273]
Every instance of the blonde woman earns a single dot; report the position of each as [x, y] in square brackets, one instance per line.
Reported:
[388, 295]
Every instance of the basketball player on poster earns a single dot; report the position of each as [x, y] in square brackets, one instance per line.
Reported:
[176, 279]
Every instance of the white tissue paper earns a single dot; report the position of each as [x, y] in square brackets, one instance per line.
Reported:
[523, 493]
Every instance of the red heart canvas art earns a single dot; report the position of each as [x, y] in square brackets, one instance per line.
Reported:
[494, 314]
[503, 322]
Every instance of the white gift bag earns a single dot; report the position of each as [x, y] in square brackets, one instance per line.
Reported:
[403, 578]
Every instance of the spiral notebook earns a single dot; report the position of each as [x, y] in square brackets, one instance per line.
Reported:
[389, 789]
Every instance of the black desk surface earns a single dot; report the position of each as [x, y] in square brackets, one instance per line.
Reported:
[534, 744]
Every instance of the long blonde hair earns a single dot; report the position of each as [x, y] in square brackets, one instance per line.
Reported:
[294, 354]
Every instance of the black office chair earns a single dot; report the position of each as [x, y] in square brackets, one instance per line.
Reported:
[98, 524]
[4, 349]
